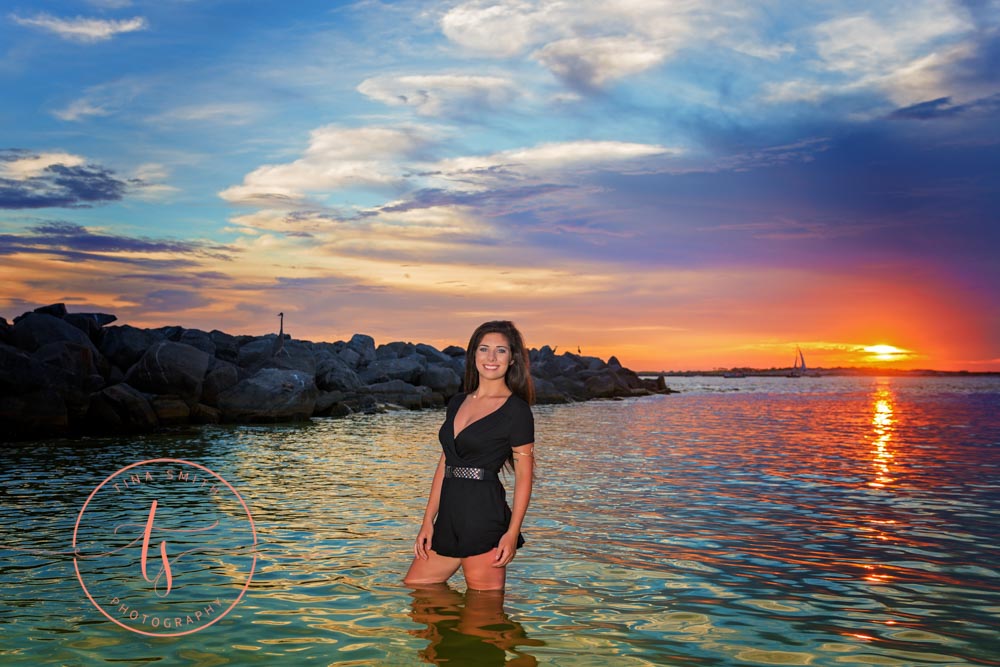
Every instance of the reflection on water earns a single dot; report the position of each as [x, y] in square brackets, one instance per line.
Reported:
[819, 521]
[883, 426]
[469, 629]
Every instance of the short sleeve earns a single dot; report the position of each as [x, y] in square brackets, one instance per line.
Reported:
[522, 429]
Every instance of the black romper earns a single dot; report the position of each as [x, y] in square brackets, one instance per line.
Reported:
[473, 514]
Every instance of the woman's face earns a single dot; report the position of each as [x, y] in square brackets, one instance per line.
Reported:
[493, 356]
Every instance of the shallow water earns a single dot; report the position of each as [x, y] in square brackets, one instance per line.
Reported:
[819, 521]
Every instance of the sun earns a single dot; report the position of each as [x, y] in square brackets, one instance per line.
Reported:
[883, 352]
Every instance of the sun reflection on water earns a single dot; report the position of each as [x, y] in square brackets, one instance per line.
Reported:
[883, 428]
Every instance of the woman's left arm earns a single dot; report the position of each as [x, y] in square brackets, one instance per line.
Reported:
[524, 466]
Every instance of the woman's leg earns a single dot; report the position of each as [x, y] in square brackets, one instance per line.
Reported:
[435, 570]
[480, 574]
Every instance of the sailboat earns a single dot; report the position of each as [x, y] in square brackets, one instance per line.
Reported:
[799, 366]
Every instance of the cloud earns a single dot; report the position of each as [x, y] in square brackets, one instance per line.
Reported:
[909, 53]
[441, 208]
[81, 29]
[591, 63]
[146, 183]
[590, 44]
[40, 180]
[337, 157]
[111, 4]
[441, 94]
[80, 109]
[561, 160]
[73, 241]
[104, 99]
[501, 29]
[943, 107]
[217, 112]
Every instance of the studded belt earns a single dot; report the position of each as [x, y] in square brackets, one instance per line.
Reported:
[469, 473]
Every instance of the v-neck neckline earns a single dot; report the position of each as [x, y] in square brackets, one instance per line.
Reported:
[454, 435]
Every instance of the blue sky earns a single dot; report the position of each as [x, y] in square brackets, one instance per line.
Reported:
[684, 184]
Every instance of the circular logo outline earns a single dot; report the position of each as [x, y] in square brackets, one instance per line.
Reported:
[253, 530]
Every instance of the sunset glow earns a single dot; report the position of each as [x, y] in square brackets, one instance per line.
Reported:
[772, 181]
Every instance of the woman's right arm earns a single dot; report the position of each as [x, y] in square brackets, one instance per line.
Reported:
[423, 542]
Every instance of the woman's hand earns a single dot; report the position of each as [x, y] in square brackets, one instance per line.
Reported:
[423, 542]
[506, 549]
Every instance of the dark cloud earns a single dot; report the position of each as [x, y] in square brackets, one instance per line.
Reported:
[59, 185]
[76, 243]
[943, 108]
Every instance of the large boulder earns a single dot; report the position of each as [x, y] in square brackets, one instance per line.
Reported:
[407, 369]
[334, 374]
[36, 329]
[628, 378]
[55, 309]
[395, 350]
[441, 379]
[76, 364]
[546, 392]
[198, 339]
[172, 332]
[603, 385]
[270, 395]
[221, 376]
[569, 363]
[170, 368]
[90, 323]
[432, 354]
[20, 373]
[350, 357]
[121, 406]
[397, 392]
[656, 385]
[227, 347]
[271, 352]
[572, 386]
[124, 345]
[364, 346]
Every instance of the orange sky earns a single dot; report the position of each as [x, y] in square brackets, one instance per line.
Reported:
[673, 320]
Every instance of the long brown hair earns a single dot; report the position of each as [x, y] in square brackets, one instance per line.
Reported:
[518, 376]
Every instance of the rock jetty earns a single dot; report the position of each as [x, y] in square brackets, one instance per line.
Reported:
[67, 373]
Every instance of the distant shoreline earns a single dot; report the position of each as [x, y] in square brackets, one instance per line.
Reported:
[736, 373]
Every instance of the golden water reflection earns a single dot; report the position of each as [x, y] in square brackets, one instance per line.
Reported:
[883, 429]
[469, 629]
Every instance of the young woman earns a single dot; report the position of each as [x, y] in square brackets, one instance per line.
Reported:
[467, 522]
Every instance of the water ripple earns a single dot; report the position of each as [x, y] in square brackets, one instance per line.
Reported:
[767, 521]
